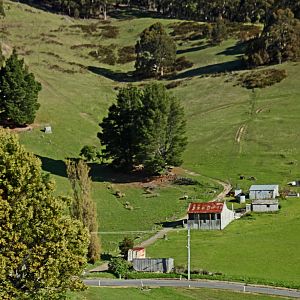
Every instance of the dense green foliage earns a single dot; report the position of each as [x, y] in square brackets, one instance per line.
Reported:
[41, 250]
[119, 266]
[2, 11]
[145, 126]
[83, 208]
[18, 93]
[125, 245]
[279, 41]
[202, 10]
[90, 153]
[155, 51]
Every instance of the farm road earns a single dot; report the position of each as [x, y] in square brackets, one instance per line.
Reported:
[223, 285]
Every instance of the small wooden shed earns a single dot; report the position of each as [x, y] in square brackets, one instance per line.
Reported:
[137, 252]
[209, 215]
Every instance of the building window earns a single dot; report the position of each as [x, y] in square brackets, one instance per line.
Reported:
[268, 205]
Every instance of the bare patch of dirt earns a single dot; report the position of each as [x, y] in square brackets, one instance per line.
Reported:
[240, 133]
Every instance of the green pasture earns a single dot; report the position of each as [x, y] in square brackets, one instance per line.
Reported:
[164, 293]
[77, 91]
[260, 246]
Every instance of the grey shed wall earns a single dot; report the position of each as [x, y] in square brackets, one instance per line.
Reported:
[264, 207]
[163, 265]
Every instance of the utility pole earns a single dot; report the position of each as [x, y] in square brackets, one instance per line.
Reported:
[189, 252]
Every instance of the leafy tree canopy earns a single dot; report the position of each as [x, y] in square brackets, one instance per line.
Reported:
[145, 127]
[42, 251]
[279, 41]
[155, 50]
[18, 92]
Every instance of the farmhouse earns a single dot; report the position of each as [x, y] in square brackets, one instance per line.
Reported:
[262, 192]
[209, 215]
[265, 205]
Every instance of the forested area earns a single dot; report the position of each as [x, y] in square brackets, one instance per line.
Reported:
[199, 10]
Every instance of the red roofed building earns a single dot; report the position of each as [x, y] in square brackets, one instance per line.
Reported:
[209, 215]
[137, 252]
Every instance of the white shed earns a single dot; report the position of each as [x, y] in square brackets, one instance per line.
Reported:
[265, 205]
[261, 192]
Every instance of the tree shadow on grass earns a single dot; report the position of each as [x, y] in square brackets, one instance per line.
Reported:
[237, 49]
[115, 76]
[211, 69]
[193, 49]
[98, 172]
[131, 13]
[172, 224]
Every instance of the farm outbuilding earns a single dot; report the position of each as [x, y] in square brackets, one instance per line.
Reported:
[162, 265]
[264, 192]
[209, 215]
[137, 252]
[265, 205]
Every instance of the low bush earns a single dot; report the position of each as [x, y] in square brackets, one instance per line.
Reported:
[185, 181]
[182, 63]
[105, 54]
[173, 84]
[109, 31]
[190, 30]
[261, 79]
[126, 54]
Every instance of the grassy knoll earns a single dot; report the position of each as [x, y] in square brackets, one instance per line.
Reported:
[263, 246]
[165, 293]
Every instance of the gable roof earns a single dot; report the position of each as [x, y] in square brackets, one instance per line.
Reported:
[263, 187]
[205, 207]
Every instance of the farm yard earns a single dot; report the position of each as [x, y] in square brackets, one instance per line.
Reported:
[232, 131]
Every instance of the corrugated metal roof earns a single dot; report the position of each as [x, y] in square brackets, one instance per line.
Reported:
[205, 207]
[138, 249]
[263, 187]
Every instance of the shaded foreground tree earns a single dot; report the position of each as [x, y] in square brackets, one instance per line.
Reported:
[18, 93]
[155, 50]
[83, 208]
[279, 41]
[145, 127]
[42, 251]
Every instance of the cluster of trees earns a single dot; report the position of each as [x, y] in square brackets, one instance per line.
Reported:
[42, 250]
[201, 10]
[18, 92]
[278, 42]
[145, 127]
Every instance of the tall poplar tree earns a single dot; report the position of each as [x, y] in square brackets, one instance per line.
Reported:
[42, 251]
[83, 208]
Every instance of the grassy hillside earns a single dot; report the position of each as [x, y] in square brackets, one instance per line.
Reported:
[78, 89]
[262, 247]
[165, 293]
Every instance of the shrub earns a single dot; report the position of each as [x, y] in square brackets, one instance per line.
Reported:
[190, 30]
[173, 84]
[261, 79]
[182, 63]
[119, 266]
[105, 54]
[109, 32]
[185, 181]
[126, 54]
